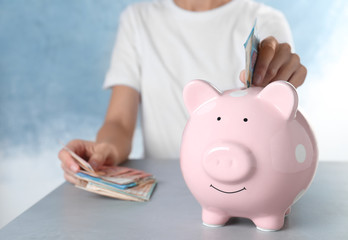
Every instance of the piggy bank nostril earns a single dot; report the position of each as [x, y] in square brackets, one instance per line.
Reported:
[223, 163]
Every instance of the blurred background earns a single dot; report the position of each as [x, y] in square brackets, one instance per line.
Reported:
[53, 58]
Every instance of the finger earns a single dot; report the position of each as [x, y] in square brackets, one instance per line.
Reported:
[76, 146]
[288, 69]
[298, 78]
[70, 178]
[282, 57]
[81, 147]
[242, 76]
[68, 161]
[267, 50]
[67, 169]
[103, 154]
[96, 160]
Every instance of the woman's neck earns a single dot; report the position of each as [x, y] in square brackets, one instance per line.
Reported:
[200, 5]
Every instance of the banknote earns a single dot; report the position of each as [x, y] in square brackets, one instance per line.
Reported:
[251, 51]
[114, 181]
[140, 193]
[101, 181]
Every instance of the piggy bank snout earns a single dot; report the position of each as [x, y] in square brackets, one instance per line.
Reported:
[228, 162]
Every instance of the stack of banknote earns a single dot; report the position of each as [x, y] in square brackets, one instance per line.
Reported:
[114, 181]
[251, 52]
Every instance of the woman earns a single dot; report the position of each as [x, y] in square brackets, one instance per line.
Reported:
[160, 46]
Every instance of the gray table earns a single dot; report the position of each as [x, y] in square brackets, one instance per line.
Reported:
[173, 213]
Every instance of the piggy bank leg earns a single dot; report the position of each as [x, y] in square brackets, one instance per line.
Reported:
[214, 218]
[269, 223]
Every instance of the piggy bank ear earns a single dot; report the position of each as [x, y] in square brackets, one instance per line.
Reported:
[283, 96]
[198, 92]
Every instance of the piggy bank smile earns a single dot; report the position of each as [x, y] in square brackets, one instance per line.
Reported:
[211, 185]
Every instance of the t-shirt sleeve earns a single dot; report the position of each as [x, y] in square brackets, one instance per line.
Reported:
[271, 22]
[124, 67]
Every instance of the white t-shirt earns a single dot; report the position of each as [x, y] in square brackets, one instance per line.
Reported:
[160, 47]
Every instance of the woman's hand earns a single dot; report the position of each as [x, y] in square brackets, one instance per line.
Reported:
[114, 139]
[97, 155]
[276, 62]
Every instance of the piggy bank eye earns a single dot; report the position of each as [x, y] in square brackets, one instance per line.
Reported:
[219, 118]
[245, 119]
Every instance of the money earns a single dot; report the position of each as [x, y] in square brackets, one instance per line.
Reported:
[251, 51]
[114, 181]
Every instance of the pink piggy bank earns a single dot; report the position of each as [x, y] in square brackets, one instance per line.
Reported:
[247, 152]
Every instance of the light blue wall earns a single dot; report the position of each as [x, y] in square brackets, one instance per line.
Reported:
[53, 58]
[54, 55]
[311, 22]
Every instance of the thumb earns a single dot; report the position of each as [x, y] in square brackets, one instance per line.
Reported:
[242, 76]
[97, 160]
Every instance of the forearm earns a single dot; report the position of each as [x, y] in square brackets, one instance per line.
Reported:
[118, 136]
